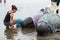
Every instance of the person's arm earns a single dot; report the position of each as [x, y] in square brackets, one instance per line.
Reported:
[11, 18]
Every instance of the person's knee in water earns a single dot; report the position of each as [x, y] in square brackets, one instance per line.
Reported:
[8, 20]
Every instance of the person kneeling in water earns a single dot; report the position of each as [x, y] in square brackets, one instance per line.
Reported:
[8, 20]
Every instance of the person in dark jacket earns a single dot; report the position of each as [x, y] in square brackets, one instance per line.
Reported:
[57, 4]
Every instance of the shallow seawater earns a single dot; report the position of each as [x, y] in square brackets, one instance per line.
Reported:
[28, 34]
[26, 8]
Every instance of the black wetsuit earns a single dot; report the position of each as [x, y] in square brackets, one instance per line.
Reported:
[7, 17]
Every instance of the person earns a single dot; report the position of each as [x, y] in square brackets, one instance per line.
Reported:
[55, 2]
[8, 20]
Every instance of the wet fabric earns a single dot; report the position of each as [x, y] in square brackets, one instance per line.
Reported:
[53, 20]
[36, 17]
[7, 24]
[19, 22]
[7, 17]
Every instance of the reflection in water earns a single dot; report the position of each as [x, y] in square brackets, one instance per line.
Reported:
[53, 36]
[28, 30]
[10, 33]
[29, 34]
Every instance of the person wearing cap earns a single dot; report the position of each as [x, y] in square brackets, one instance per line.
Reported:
[8, 20]
[55, 3]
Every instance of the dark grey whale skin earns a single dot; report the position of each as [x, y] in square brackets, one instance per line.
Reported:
[50, 22]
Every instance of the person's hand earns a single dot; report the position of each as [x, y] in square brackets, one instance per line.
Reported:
[11, 16]
[11, 27]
